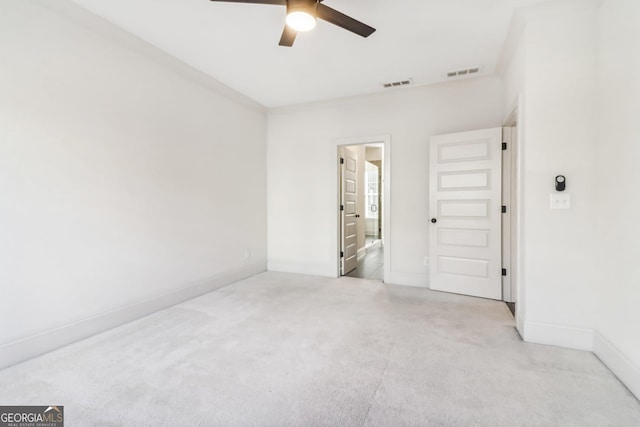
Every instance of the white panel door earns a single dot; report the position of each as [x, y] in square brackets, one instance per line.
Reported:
[349, 209]
[465, 209]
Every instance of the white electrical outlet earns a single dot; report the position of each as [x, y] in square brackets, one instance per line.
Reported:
[560, 201]
[426, 260]
[247, 255]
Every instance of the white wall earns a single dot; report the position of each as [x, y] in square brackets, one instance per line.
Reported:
[574, 68]
[618, 337]
[561, 138]
[374, 154]
[302, 171]
[513, 72]
[127, 180]
[553, 71]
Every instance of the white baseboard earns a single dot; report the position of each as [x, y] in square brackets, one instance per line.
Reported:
[623, 368]
[36, 345]
[361, 253]
[419, 280]
[558, 335]
[520, 325]
[321, 270]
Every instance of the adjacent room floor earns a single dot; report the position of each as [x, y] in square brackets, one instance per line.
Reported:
[290, 350]
[371, 266]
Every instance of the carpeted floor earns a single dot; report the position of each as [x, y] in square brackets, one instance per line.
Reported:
[290, 350]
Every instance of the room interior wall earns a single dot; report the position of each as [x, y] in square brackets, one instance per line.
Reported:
[617, 341]
[113, 158]
[129, 182]
[373, 154]
[561, 139]
[301, 147]
[513, 72]
[553, 74]
[574, 76]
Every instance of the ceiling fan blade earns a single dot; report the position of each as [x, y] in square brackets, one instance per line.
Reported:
[288, 36]
[278, 2]
[344, 21]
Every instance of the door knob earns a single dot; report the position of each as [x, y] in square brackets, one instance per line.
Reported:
[433, 220]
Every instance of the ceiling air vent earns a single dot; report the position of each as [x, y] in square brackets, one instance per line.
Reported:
[407, 82]
[464, 72]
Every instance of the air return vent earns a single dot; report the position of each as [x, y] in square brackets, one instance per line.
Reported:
[464, 72]
[406, 82]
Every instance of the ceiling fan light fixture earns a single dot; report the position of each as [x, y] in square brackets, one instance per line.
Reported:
[301, 14]
[301, 21]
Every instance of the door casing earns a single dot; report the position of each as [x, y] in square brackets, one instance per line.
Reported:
[513, 180]
[385, 140]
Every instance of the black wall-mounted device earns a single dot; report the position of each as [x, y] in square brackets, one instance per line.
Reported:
[561, 183]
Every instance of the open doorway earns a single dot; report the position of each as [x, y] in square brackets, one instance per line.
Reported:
[373, 196]
[362, 209]
[510, 219]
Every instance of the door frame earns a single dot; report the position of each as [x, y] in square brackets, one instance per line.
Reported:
[385, 140]
[512, 231]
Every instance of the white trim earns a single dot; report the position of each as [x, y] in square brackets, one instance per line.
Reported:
[322, 270]
[518, 281]
[376, 243]
[506, 193]
[419, 280]
[514, 205]
[623, 368]
[558, 335]
[379, 96]
[520, 325]
[36, 345]
[361, 253]
[386, 208]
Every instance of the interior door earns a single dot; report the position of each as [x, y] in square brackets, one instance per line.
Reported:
[348, 209]
[465, 207]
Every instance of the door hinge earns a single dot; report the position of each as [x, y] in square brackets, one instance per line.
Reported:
[504, 209]
[504, 145]
[504, 271]
[341, 161]
[341, 254]
[341, 207]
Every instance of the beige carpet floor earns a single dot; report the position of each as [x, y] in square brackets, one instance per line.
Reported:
[290, 350]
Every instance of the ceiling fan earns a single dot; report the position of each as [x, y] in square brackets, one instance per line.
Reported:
[302, 15]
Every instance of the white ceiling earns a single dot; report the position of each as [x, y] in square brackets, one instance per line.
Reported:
[237, 44]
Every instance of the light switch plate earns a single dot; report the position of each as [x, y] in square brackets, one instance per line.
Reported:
[560, 200]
